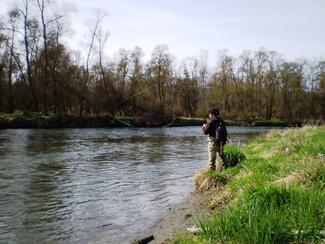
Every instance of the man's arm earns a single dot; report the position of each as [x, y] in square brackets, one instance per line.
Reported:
[205, 128]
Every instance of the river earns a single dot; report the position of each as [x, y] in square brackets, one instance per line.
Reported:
[93, 185]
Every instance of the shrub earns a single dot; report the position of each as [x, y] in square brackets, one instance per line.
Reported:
[234, 155]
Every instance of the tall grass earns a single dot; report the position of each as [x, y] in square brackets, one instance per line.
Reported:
[234, 155]
[269, 215]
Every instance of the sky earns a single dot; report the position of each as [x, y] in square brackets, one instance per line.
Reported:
[294, 28]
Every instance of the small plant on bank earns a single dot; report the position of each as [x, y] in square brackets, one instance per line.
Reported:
[234, 155]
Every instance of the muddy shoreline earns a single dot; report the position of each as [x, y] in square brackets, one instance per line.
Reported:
[180, 217]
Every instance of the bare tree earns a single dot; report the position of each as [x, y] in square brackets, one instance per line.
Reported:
[122, 71]
[2, 71]
[43, 5]
[102, 38]
[29, 25]
[10, 42]
[189, 85]
[136, 78]
[94, 26]
[272, 78]
[160, 71]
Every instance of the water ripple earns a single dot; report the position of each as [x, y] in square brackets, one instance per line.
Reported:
[83, 185]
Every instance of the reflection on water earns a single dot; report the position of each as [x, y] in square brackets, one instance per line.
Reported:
[81, 185]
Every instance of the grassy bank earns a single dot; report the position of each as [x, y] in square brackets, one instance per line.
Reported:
[275, 196]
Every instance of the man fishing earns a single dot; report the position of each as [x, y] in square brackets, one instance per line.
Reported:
[216, 129]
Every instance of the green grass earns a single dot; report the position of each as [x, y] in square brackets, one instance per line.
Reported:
[20, 114]
[277, 193]
[269, 215]
[15, 114]
[234, 155]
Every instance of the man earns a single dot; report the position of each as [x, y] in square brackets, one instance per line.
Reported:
[216, 129]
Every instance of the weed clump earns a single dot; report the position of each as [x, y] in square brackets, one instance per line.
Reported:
[234, 155]
[209, 179]
[271, 134]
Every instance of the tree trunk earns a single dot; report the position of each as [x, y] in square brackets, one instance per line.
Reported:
[27, 55]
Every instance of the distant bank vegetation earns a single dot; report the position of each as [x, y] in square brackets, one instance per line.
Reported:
[20, 119]
[39, 74]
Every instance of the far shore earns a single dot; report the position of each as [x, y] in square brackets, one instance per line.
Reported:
[31, 120]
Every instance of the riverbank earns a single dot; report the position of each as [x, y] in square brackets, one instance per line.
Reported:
[21, 119]
[179, 217]
[275, 195]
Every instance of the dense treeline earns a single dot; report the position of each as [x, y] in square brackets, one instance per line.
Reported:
[38, 73]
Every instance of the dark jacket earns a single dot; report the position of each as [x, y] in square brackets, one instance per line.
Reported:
[210, 128]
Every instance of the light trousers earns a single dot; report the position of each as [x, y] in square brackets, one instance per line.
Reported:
[215, 148]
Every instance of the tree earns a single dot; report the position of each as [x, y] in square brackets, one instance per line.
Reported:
[272, 80]
[94, 27]
[9, 54]
[159, 73]
[102, 38]
[222, 83]
[30, 35]
[43, 5]
[189, 84]
[136, 79]
[320, 92]
[292, 89]
[122, 71]
[2, 72]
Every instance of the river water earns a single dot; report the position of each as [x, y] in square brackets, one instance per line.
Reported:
[97, 185]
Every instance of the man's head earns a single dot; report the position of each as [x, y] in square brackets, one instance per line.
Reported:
[213, 111]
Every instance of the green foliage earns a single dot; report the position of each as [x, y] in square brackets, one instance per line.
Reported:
[15, 114]
[4, 116]
[128, 119]
[234, 155]
[20, 114]
[214, 174]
